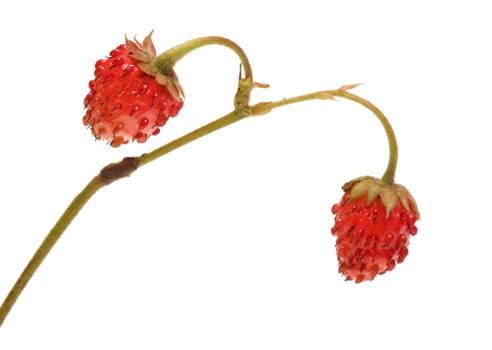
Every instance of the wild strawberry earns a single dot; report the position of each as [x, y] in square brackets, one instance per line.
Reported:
[373, 224]
[130, 98]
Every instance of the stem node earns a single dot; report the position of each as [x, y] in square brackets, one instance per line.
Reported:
[116, 171]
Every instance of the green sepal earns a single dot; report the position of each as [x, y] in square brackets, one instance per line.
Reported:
[373, 192]
[407, 201]
[388, 198]
[359, 189]
[145, 53]
[375, 188]
[348, 185]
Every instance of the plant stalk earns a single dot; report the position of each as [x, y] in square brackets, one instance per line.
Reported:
[127, 166]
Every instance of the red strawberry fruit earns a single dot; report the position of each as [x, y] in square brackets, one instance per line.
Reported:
[130, 98]
[373, 225]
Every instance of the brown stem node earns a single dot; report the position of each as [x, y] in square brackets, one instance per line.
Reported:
[116, 171]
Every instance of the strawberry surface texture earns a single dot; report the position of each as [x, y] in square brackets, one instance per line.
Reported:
[126, 103]
[373, 225]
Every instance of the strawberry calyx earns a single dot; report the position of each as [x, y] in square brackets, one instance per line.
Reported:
[145, 53]
[389, 194]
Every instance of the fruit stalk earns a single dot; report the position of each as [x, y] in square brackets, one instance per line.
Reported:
[127, 166]
[171, 56]
[168, 59]
[389, 174]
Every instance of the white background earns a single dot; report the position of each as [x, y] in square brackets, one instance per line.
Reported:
[225, 243]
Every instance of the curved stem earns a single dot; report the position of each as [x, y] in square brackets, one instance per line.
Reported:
[174, 54]
[169, 58]
[389, 174]
[127, 166]
[108, 174]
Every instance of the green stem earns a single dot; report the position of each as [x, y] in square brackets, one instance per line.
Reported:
[108, 174]
[169, 58]
[174, 54]
[72, 210]
[220, 123]
[389, 174]
[124, 168]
